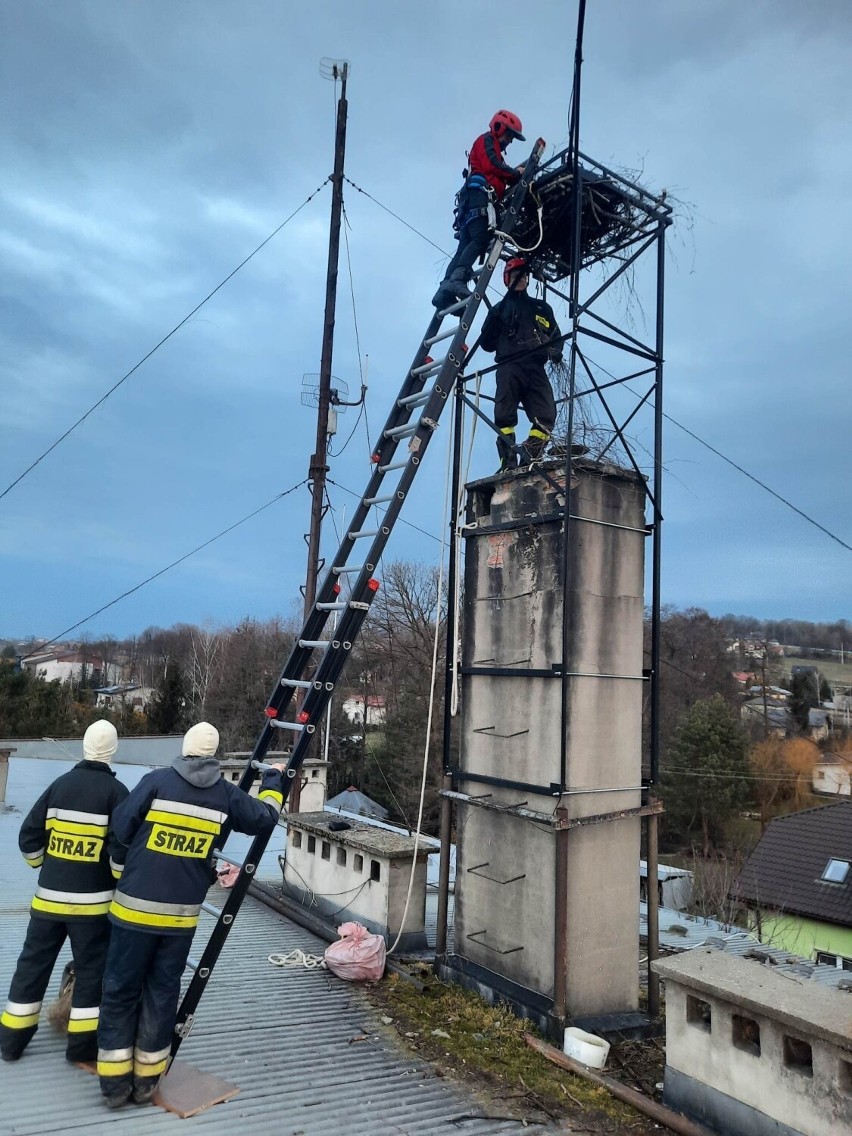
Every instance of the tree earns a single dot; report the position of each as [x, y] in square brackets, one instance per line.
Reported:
[705, 779]
[694, 664]
[804, 695]
[166, 712]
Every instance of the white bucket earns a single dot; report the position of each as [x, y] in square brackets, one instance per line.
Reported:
[585, 1047]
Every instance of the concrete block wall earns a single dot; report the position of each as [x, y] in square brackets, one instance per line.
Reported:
[513, 596]
[359, 873]
[752, 1051]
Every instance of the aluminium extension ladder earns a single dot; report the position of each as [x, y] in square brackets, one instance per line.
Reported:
[413, 420]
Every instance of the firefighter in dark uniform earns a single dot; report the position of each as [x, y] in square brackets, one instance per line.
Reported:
[169, 824]
[523, 332]
[486, 181]
[68, 835]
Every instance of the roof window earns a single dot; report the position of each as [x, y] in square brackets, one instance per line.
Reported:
[836, 871]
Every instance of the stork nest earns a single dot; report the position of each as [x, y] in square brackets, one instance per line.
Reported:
[612, 218]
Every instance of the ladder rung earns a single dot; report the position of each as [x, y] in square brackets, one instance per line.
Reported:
[280, 725]
[219, 855]
[457, 307]
[378, 500]
[414, 399]
[390, 468]
[428, 368]
[353, 568]
[441, 335]
[363, 532]
[319, 644]
[338, 606]
[401, 431]
[302, 683]
[211, 909]
[192, 964]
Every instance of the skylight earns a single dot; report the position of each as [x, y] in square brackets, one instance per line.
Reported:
[836, 871]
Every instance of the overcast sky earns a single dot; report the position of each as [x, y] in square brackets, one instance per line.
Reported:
[147, 146]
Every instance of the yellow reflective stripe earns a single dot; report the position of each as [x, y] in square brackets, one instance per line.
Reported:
[34, 859]
[507, 429]
[180, 820]
[82, 1025]
[140, 1069]
[534, 433]
[271, 795]
[18, 1021]
[149, 919]
[77, 828]
[114, 1068]
[70, 908]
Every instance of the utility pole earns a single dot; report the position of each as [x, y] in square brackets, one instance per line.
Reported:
[318, 468]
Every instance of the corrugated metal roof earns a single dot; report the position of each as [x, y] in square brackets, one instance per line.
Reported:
[286, 1037]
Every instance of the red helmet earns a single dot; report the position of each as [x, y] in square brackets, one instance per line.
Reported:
[504, 122]
[512, 266]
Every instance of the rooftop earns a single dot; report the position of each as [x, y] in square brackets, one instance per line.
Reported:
[307, 1050]
[787, 870]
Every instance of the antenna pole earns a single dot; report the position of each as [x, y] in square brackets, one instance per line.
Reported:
[318, 467]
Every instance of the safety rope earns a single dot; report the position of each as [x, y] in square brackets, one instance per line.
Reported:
[444, 527]
[300, 958]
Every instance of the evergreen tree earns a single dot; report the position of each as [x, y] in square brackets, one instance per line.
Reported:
[166, 713]
[705, 778]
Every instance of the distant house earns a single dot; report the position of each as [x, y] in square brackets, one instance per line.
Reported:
[125, 694]
[674, 886]
[833, 775]
[66, 666]
[797, 884]
[776, 719]
[368, 710]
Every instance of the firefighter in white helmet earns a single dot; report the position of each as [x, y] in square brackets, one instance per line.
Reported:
[68, 835]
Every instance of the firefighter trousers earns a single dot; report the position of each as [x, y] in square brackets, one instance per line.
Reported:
[525, 385]
[89, 937]
[138, 1010]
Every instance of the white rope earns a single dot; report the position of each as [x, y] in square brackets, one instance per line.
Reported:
[444, 527]
[298, 958]
[455, 599]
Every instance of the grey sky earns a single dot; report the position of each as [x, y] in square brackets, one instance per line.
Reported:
[147, 147]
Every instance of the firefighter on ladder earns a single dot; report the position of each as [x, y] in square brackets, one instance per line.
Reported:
[486, 181]
[523, 332]
[68, 835]
[169, 825]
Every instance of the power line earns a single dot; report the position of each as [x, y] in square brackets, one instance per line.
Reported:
[162, 571]
[165, 339]
[740, 469]
[352, 493]
[757, 481]
[401, 220]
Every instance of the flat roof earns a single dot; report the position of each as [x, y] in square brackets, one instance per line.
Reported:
[369, 838]
[804, 1006]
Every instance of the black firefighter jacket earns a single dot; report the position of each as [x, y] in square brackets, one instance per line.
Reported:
[170, 824]
[68, 833]
[524, 324]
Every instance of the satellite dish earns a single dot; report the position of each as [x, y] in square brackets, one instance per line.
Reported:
[339, 392]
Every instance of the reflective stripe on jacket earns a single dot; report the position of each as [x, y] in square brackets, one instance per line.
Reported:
[170, 827]
[68, 835]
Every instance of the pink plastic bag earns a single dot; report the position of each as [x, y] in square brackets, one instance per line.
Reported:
[227, 873]
[357, 955]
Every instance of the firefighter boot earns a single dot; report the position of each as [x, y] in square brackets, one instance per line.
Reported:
[452, 288]
[533, 447]
[507, 451]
